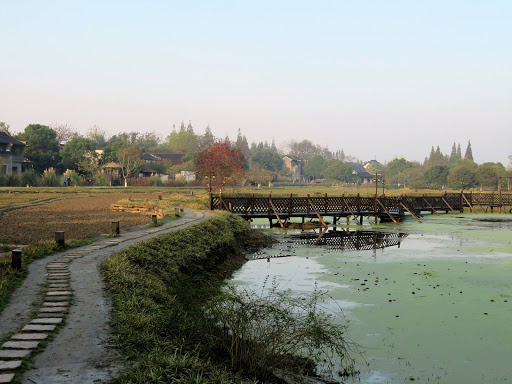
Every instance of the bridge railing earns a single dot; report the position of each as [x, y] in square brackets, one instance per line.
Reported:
[356, 205]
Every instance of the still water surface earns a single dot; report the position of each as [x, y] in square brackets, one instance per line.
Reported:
[428, 302]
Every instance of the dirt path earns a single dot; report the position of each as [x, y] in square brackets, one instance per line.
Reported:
[78, 351]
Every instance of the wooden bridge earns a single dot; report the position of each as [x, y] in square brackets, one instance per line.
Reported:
[392, 208]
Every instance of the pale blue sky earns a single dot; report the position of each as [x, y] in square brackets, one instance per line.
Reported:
[376, 78]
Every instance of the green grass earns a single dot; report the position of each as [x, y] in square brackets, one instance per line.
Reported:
[168, 307]
[10, 279]
[157, 288]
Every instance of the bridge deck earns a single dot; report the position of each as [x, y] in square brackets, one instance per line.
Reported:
[282, 208]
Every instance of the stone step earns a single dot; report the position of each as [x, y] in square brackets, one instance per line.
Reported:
[56, 304]
[51, 286]
[59, 289]
[53, 309]
[20, 345]
[46, 315]
[6, 378]
[9, 365]
[59, 281]
[46, 321]
[38, 328]
[14, 353]
[29, 336]
[56, 298]
[59, 293]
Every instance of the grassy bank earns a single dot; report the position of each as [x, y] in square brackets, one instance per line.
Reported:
[157, 288]
[166, 294]
[10, 279]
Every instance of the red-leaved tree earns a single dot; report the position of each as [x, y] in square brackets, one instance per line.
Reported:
[219, 163]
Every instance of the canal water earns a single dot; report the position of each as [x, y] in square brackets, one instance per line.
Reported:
[429, 302]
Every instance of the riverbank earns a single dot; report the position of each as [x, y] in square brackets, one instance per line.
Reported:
[158, 288]
[174, 322]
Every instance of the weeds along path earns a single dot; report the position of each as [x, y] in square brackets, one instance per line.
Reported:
[61, 315]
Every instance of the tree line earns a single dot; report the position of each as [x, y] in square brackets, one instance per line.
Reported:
[60, 149]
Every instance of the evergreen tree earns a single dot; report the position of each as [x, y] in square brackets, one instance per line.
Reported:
[459, 153]
[182, 127]
[453, 155]
[273, 146]
[469, 152]
[207, 139]
[242, 145]
[190, 129]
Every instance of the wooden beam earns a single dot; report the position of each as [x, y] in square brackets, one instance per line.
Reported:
[274, 208]
[319, 217]
[385, 209]
[449, 206]
[433, 210]
[321, 234]
[467, 201]
[408, 210]
[352, 212]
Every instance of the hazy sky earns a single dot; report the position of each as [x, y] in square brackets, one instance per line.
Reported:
[376, 78]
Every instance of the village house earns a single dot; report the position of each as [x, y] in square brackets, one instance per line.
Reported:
[153, 162]
[11, 154]
[294, 165]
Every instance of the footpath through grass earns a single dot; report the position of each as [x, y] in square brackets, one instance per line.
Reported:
[11, 279]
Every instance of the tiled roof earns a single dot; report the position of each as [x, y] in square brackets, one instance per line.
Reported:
[5, 138]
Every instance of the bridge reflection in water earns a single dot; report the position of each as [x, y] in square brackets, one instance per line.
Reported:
[344, 240]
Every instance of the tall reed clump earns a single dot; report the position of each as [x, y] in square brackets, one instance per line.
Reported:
[273, 330]
[30, 178]
[50, 178]
[175, 323]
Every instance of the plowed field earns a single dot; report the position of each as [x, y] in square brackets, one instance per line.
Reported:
[79, 217]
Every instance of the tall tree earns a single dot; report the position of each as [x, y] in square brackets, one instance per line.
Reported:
[436, 175]
[79, 155]
[207, 138]
[453, 155]
[462, 176]
[97, 134]
[459, 153]
[182, 142]
[130, 158]
[220, 163]
[315, 167]
[243, 145]
[268, 159]
[64, 132]
[469, 152]
[487, 175]
[338, 170]
[42, 146]
[190, 129]
[396, 166]
[304, 149]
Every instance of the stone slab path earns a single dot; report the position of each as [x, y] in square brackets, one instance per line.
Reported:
[74, 314]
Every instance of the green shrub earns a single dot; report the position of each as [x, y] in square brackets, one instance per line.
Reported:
[101, 179]
[30, 177]
[13, 180]
[155, 181]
